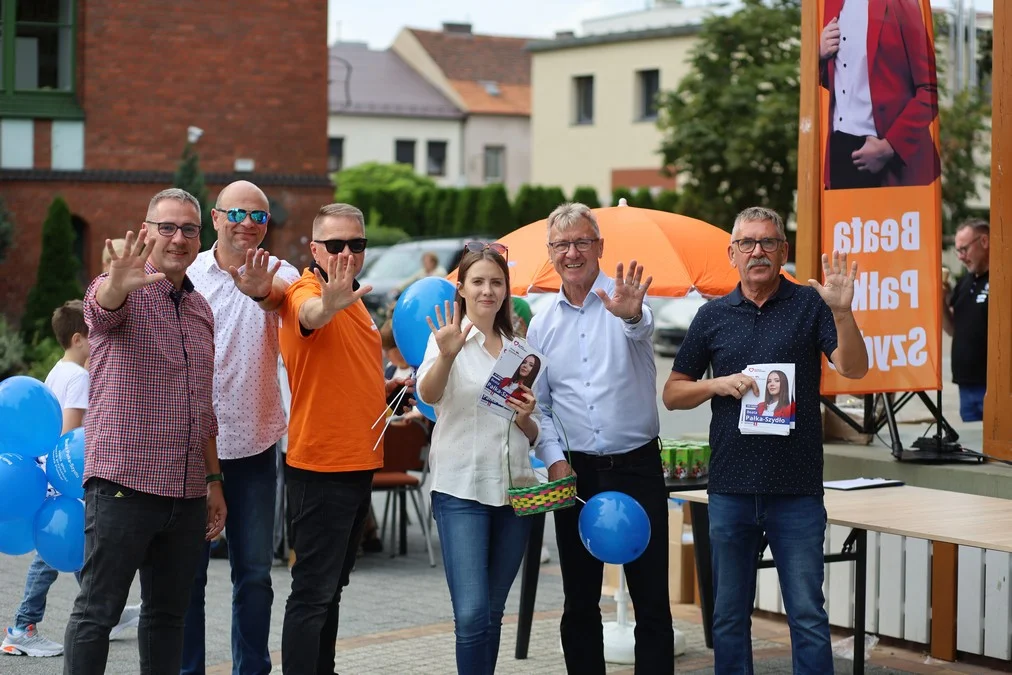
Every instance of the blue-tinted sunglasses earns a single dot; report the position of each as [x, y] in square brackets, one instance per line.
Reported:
[238, 215]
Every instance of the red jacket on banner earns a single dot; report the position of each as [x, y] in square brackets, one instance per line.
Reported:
[903, 86]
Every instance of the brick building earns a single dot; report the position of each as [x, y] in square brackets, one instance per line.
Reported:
[96, 99]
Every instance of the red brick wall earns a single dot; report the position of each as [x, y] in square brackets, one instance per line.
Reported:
[252, 75]
[43, 144]
[110, 209]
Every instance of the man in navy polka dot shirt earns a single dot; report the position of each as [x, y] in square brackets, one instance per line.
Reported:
[763, 483]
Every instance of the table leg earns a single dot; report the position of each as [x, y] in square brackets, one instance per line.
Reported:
[704, 572]
[944, 569]
[529, 584]
[403, 548]
[860, 596]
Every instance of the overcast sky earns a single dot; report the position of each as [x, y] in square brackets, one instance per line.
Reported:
[378, 21]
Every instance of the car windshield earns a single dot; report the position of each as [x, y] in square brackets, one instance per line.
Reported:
[400, 262]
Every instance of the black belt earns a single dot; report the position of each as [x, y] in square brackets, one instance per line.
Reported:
[648, 452]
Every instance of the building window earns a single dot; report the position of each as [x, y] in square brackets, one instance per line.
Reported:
[404, 152]
[435, 158]
[583, 88]
[335, 154]
[648, 85]
[495, 164]
[37, 58]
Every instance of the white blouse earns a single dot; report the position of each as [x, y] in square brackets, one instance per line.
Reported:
[468, 452]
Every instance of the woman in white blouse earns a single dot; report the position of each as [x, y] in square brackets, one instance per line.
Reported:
[482, 540]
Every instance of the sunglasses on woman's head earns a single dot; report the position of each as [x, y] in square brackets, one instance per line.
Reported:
[259, 217]
[479, 246]
[335, 246]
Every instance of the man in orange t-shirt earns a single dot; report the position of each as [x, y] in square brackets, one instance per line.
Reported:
[331, 349]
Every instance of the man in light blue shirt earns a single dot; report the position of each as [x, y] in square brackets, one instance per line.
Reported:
[599, 388]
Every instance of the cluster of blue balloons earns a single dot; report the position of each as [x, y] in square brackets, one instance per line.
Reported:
[30, 425]
[614, 527]
[411, 331]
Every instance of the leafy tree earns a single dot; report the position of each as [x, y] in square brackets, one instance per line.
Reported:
[527, 205]
[732, 125]
[381, 235]
[586, 194]
[643, 198]
[466, 214]
[448, 212]
[189, 177]
[550, 198]
[57, 280]
[621, 193]
[495, 216]
[963, 125]
[6, 230]
[668, 200]
[375, 175]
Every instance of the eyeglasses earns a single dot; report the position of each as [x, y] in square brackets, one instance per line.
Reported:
[168, 229]
[479, 246]
[259, 217]
[335, 246]
[769, 244]
[963, 250]
[582, 245]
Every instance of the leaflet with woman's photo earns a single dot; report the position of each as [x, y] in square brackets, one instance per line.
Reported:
[772, 411]
[517, 365]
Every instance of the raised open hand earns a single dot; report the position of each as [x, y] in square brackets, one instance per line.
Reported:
[838, 288]
[450, 338]
[336, 291]
[257, 276]
[126, 272]
[626, 302]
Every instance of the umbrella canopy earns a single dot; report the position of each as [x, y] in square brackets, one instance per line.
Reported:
[680, 253]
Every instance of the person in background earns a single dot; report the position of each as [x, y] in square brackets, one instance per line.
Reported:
[430, 268]
[521, 316]
[475, 456]
[68, 380]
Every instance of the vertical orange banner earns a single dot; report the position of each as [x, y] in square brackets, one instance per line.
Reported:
[881, 197]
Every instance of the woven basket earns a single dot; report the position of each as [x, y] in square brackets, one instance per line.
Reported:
[559, 494]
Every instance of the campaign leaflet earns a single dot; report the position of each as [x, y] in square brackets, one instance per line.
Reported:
[772, 411]
[517, 365]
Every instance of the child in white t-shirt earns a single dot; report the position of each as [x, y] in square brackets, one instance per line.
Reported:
[68, 380]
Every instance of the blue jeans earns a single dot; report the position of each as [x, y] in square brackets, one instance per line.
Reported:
[971, 402]
[796, 529]
[482, 549]
[37, 582]
[249, 487]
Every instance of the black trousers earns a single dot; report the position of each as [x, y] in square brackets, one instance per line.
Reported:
[842, 172]
[126, 530]
[637, 473]
[327, 518]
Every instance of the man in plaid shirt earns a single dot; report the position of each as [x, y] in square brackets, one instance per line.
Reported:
[153, 489]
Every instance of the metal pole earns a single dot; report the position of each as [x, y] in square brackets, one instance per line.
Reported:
[972, 51]
[960, 46]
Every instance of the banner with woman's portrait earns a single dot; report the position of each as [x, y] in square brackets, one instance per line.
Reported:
[881, 197]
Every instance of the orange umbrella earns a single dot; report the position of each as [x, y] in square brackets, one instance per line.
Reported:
[680, 253]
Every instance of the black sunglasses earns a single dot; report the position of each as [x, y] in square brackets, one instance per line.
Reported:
[335, 246]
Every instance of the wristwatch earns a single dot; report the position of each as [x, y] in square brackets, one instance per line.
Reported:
[635, 319]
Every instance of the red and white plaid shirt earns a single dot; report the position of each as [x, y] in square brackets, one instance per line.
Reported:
[150, 413]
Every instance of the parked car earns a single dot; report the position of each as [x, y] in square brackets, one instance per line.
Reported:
[400, 262]
[672, 317]
[372, 254]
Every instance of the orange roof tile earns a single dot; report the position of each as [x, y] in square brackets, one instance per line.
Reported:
[512, 99]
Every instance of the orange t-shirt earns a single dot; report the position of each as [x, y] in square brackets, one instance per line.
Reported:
[336, 377]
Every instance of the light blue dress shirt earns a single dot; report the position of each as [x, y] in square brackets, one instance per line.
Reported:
[599, 389]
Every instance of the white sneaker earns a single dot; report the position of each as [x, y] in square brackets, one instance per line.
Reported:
[29, 642]
[545, 555]
[130, 617]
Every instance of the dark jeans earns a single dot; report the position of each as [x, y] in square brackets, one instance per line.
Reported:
[971, 402]
[842, 172]
[482, 549]
[796, 529]
[126, 530]
[249, 487]
[328, 513]
[639, 475]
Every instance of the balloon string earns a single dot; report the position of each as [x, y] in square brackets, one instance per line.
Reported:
[392, 407]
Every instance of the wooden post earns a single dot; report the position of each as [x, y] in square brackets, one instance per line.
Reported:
[944, 575]
[997, 421]
[808, 246]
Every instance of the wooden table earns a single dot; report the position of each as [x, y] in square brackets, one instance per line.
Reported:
[947, 519]
[531, 567]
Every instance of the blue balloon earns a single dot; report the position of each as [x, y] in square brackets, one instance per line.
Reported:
[22, 486]
[59, 533]
[30, 416]
[65, 466]
[425, 409]
[17, 537]
[535, 462]
[614, 527]
[419, 300]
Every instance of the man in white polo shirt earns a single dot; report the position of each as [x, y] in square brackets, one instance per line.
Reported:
[240, 284]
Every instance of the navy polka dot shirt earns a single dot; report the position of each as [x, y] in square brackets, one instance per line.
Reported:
[729, 333]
